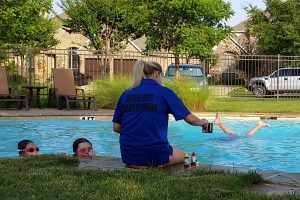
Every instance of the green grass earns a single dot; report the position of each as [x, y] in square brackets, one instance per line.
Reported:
[253, 105]
[56, 177]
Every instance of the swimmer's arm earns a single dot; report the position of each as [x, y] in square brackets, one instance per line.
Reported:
[195, 121]
[117, 127]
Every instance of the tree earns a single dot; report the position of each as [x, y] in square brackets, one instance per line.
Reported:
[106, 23]
[189, 27]
[26, 24]
[277, 28]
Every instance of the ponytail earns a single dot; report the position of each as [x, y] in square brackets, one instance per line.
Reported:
[138, 72]
[143, 69]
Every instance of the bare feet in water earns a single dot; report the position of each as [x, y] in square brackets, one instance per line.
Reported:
[218, 119]
[262, 124]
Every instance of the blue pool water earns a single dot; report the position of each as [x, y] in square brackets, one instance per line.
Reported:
[273, 148]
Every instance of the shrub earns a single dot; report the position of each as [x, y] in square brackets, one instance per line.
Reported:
[190, 92]
[240, 91]
[108, 90]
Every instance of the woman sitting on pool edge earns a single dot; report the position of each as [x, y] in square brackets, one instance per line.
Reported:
[141, 117]
[83, 148]
[228, 131]
[27, 148]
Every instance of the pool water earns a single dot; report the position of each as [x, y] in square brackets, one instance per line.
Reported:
[272, 148]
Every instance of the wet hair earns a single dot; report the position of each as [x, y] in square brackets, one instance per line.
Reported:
[143, 69]
[22, 145]
[78, 141]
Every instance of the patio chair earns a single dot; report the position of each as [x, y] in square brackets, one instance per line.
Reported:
[65, 90]
[5, 92]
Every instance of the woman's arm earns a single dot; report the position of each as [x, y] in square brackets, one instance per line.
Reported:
[195, 121]
[117, 127]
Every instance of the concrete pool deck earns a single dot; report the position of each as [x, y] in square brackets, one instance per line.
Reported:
[107, 114]
[275, 182]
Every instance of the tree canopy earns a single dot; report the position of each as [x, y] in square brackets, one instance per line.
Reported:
[105, 23]
[189, 27]
[277, 28]
[26, 23]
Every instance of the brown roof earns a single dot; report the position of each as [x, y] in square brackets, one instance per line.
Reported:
[57, 19]
[140, 43]
[240, 26]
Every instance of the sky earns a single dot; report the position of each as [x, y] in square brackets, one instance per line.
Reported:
[239, 13]
[236, 5]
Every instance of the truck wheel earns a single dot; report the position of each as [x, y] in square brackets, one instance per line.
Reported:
[259, 91]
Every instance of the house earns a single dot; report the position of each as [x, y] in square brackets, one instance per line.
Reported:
[71, 52]
[229, 51]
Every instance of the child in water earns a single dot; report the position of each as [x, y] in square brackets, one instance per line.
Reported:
[228, 131]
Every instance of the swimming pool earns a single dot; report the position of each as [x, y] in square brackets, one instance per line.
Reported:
[273, 148]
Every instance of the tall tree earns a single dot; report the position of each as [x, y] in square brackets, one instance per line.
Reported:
[189, 27]
[106, 23]
[26, 24]
[277, 28]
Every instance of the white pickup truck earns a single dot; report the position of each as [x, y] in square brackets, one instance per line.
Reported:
[286, 81]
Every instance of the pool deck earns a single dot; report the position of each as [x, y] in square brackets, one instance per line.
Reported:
[275, 182]
[107, 114]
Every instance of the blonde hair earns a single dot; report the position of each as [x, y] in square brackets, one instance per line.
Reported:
[143, 69]
[138, 72]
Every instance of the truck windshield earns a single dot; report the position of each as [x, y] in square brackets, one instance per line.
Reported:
[186, 71]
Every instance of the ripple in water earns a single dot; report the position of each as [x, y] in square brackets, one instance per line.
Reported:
[274, 148]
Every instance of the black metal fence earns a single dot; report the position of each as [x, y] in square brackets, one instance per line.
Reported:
[246, 76]
[254, 76]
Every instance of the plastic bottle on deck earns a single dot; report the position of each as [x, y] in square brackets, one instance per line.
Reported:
[193, 160]
[186, 161]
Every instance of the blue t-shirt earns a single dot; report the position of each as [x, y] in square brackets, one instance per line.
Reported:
[143, 114]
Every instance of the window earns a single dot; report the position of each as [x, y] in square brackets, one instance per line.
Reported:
[283, 72]
[287, 72]
[186, 71]
[228, 61]
[74, 59]
[294, 72]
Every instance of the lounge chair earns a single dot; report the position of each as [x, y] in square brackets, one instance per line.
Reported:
[64, 88]
[5, 92]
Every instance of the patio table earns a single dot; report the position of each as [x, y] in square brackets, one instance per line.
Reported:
[37, 94]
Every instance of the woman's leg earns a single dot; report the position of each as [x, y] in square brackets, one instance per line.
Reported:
[177, 157]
